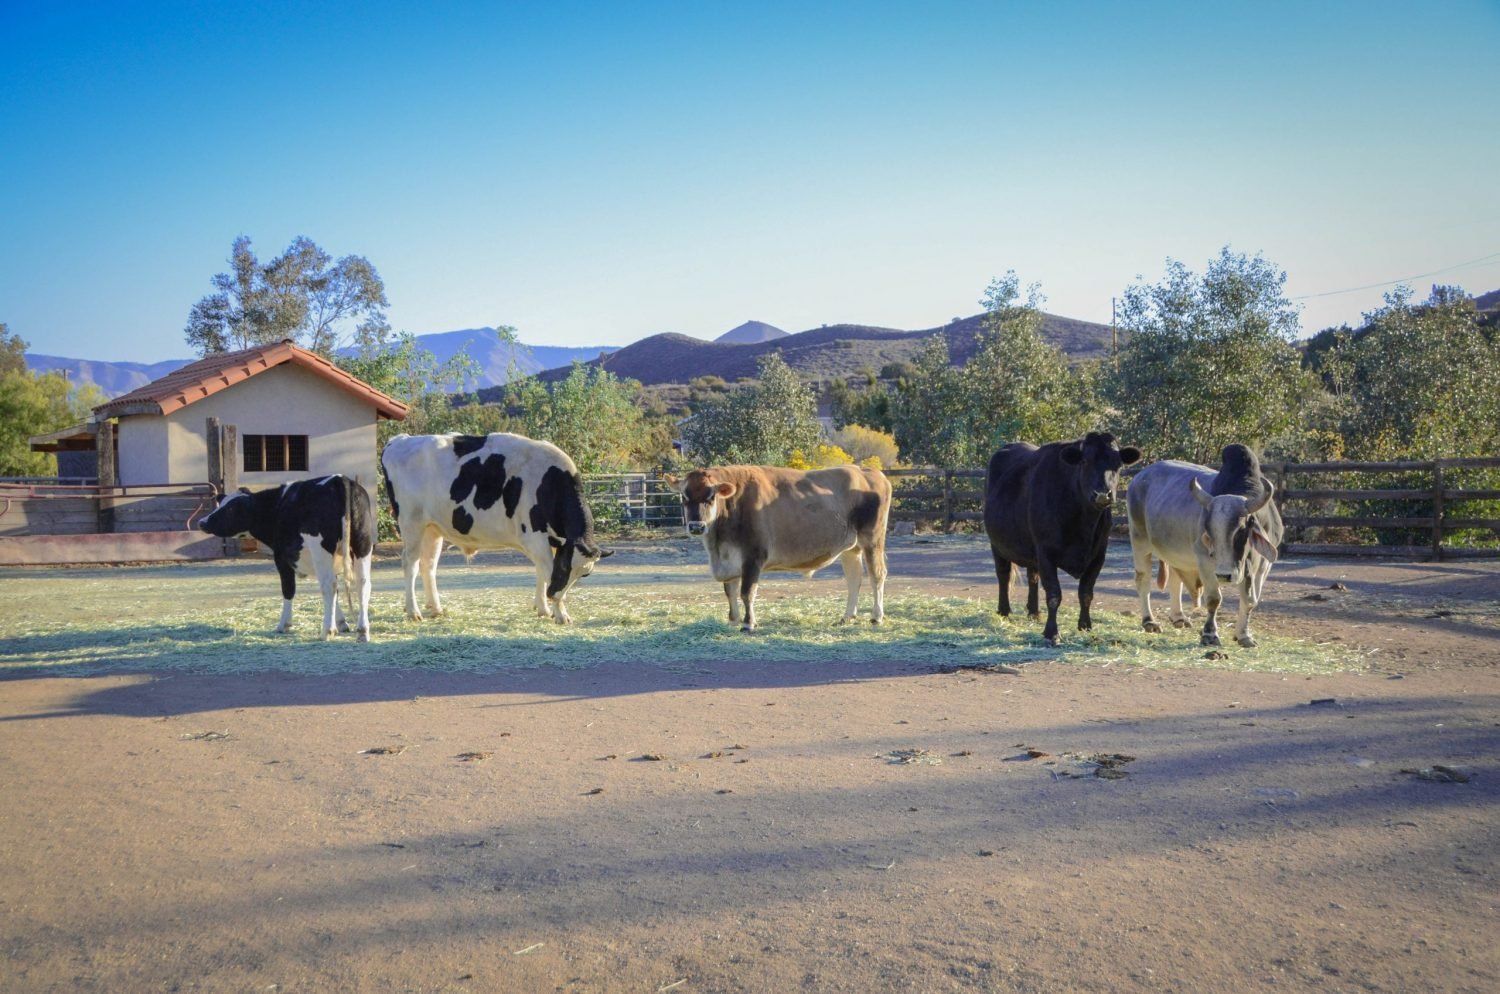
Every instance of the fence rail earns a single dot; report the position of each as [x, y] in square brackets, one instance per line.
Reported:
[1419, 509]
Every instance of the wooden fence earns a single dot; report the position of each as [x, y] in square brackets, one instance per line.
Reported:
[1408, 509]
[45, 523]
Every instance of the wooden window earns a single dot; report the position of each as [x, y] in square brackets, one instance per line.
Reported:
[275, 453]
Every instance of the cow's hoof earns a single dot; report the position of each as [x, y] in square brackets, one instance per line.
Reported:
[1179, 622]
[1246, 641]
[877, 621]
[1034, 615]
[1050, 643]
[364, 635]
[747, 629]
[842, 621]
[1151, 627]
[414, 616]
[1209, 640]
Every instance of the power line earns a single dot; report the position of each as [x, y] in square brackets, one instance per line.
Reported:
[1404, 279]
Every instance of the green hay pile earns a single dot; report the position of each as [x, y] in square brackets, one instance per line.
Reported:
[218, 618]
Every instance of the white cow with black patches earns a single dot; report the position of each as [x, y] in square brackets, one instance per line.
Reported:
[498, 491]
[319, 528]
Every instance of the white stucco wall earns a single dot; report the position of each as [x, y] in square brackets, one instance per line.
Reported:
[287, 400]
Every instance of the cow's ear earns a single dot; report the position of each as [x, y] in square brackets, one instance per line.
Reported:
[1130, 454]
[1207, 541]
[726, 490]
[672, 481]
[606, 553]
[1072, 455]
[1261, 544]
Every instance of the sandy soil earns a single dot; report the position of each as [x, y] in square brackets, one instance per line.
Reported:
[733, 827]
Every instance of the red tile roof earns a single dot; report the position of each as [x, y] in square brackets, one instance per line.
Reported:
[222, 370]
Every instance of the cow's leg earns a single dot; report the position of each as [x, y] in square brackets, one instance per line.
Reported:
[288, 573]
[1050, 583]
[749, 581]
[874, 556]
[732, 593]
[1003, 570]
[328, 586]
[361, 575]
[1033, 610]
[1086, 592]
[1212, 598]
[849, 561]
[1141, 553]
[543, 577]
[432, 548]
[1248, 602]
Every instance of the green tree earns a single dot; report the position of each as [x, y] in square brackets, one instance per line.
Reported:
[1424, 378]
[34, 404]
[592, 415]
[1209, 360]
[302, 294]
[926, 408]
[759, 423]
[1017, 386]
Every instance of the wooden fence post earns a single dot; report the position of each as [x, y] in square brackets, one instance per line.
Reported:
[108, 476]
[1437, 510]
[949, 502]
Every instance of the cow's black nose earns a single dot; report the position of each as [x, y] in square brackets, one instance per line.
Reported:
[1224, 577]
[695, 528]
[1103, 499]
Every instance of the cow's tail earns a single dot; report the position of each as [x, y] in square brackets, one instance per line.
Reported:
[348, 543]
[1161, 574]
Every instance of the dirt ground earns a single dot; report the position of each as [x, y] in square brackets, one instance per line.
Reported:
[866, 826]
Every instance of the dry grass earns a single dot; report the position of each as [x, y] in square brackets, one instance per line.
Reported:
[218, 618]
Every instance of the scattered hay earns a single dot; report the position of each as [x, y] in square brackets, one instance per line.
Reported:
[912, 757]
[217, 618]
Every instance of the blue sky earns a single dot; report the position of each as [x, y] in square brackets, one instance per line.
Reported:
[596, 173]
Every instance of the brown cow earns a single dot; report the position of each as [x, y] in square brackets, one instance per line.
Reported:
[755, 518]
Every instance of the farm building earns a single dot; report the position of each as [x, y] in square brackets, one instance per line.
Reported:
[257, 417]
[296, 414]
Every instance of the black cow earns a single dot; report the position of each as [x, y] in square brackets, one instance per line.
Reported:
[310, 526]
[1047, 509]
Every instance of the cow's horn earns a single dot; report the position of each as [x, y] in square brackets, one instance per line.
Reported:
[1200, 493]
[1268, 490]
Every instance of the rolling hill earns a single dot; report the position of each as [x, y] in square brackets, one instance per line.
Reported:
[823, 353]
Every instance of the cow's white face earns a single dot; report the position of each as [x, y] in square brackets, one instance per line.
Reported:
[703, 498]
[1231, 531]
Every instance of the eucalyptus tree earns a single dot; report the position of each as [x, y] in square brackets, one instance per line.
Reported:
[303, 294]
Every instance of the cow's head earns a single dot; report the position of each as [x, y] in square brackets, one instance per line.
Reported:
[234, 515]
[1231, 531]
[1098, 461]
[702, 498]
[573, 561]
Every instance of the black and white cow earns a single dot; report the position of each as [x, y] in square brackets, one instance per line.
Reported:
[319, 528]
[1048, 509]
[498, 491]
[1208, 528]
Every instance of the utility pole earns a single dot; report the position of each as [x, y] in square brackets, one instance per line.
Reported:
[1114, 335]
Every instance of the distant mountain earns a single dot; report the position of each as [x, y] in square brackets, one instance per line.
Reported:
[484, 347]
[114, 378]
[751, 333]
[824, 353]
[494, 357]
